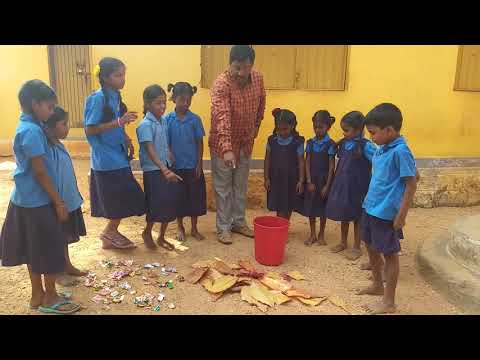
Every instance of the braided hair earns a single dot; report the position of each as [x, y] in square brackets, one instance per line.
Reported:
[355, 120]
[287, 117]
[323, 117]
[181, 88]
[108, 66]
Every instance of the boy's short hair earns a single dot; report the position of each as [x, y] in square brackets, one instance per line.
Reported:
[385, 115]
[242, 53]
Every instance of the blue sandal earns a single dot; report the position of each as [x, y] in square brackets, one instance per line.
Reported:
[54, 308]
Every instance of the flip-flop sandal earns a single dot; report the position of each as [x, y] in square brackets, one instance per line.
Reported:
[337, 248]
[54, 308]
[116, 242]
[166, 245]
[126, 240]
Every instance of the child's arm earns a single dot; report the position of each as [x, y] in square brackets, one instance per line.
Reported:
[310, 186]
[417, 175]
[169, 175]
[266, 170]
[301, 173]
[101, 128]
[199, 169]
[41, 174]
[331, 170]
[410, 188]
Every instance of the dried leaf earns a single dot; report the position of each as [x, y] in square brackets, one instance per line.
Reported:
[247, 296]
[196, 275]
[246, 265]
[298, 293]
[276, 284]
[223, 283]
[203, 264]
[273, 275]
[235, 266]
[236, 288]
[339, 302]
[217, 296]
[222, 267]
[279, 298]
[312, 302]
[250, 274]
[207, 283]
[296, 275]
[213, 274]
[261, 294]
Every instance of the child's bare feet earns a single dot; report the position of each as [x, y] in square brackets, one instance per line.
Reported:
[312, 239]
[196, 234]
[321, 240]
[338, 248]
[384, 276]
[181, 234]
[36, 300]
[373, 289]
[148, 240]
[164, 244]
[353, 254]
[380, 308]
[49, 301]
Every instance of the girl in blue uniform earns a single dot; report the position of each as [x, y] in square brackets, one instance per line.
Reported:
[284, 167]
[160, 183]
[320, 165]
[351, 179]
[32, 232]
[114, 192]
[185, 134]
[74, 227]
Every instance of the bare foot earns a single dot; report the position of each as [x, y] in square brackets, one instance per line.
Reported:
[321, 240]
[381, 308]
[353, 254]
[148, 240]
[166, 245]
[197, 235]
[52, 300]
[36, 300]
[73, 271]
[66, 280]
[366, 266]
[338, 248]
[312, 239]
[371, 290]
[384, 276]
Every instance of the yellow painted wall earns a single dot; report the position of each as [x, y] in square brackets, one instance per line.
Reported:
[438, 122]
[18, 63]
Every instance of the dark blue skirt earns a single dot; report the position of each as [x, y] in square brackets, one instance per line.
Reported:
[162, 197]
[193, 201]
[115, 194]
[74, 227]
[33, 236]
[313, 205]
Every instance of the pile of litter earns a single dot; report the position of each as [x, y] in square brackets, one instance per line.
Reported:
[262, 289]
[116, 288]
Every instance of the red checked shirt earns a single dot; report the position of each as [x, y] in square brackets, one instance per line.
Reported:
[235, 114]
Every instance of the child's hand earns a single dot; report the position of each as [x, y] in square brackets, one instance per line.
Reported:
[171, 176]
[62, 212]
[199, 171]
[171, 157]
[324, 192]
[399, 222]
[127, 118]
[299, 188]
[311, 187]
[131, 148]
[267, 184]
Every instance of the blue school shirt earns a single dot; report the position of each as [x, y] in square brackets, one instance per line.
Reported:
[156, 131]
[368, 150]
[316, 145]
[183, 136]
[287, 141]
[391, 164]
[30, 141]
[108, 150]
[65, 178]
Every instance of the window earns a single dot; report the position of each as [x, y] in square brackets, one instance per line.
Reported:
[303, 67]
[468, 68]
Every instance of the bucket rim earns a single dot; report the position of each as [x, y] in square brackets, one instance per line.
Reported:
[286, 222]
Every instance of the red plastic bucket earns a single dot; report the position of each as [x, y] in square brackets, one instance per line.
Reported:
[271, 234]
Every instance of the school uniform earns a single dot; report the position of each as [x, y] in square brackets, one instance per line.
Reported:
[162, 196]
[350, 183]
[31, 233]
[320, 152]
[391, 164]
[114, 192]
[284, 177]
[183, 136]
[74, 227]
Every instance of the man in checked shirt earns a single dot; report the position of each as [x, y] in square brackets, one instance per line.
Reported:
[238, 105]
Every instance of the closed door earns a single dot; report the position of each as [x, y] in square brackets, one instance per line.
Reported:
[70, 75]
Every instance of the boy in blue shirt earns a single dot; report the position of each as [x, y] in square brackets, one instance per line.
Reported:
[385, 208]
